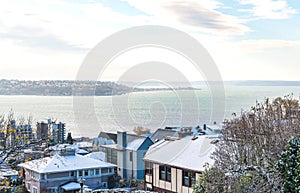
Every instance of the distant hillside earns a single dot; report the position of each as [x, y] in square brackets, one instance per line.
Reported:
[201, 84]
[68, 88]
[263, 83]
[97, 88]
[62, 88]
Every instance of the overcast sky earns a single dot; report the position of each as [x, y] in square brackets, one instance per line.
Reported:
[248, 39]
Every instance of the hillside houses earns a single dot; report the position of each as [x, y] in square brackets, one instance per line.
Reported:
[167, 160]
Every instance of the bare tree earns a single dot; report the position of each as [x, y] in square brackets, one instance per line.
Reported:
[9, 137]
[141, 130]
[252, 144]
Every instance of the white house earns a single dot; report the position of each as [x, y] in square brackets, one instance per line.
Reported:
[62, 171]
[175, 165]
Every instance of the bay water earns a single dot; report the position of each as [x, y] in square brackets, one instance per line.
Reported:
[155, 109]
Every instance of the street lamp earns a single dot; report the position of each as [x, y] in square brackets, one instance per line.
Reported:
[81, 180]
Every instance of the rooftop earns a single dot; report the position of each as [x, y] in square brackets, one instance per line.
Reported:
[188, 153]
[59, 163]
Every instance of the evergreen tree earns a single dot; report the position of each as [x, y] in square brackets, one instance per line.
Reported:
[289, 166]
[70, 139]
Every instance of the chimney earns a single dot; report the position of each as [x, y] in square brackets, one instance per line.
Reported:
[121, 139]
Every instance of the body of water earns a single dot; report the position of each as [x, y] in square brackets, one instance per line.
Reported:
[148, 109]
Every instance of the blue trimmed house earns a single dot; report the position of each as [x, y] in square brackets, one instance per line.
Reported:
[128, 154]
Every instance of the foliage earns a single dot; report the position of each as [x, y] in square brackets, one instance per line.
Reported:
[251, 147]
[289, 166]
[208, 179]
[141, 130]
[20, 189]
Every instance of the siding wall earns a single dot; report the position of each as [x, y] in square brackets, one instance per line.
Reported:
[94, 181]
[163, 186]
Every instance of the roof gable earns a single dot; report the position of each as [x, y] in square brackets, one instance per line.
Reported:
[184, 153]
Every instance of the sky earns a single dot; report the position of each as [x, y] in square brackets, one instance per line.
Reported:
[248, 39]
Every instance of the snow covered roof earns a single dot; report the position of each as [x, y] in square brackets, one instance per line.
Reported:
[83, 144]
[8, 172]
[160, 134]
[97, 155]
[135, 144]
[59, 163]
[82, 151]
[109, 136]
[72, 186]
[215, 127]
[184, 153]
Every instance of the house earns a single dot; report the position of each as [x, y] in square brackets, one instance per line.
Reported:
[128, 154]
[175, 165]
[172, 132]
[161, 134]
[104, 138]
[61, 172]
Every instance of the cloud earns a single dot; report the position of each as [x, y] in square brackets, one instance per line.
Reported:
[265, 45]
[199, 15]
[39, 38]
[195, 15]
[54, 23]
[269, 9]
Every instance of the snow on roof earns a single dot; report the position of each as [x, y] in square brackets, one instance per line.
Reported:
[112, 146]
[184, 153]
[215, 127]
[160, 134]
[8, 172]
[59, 163]
[84, 144]
[62, 146]
[97, 155]
[81, 151]
[72, 186]
[135, 144]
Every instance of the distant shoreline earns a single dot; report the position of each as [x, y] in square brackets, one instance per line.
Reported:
[97, 88]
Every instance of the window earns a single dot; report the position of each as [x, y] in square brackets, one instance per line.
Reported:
[28, 186]
[34, 190]
[72, 173]
[97, 172]
[104, 171]
[188, 178]
[130, 156]
[80, 173]
[92, 172]
[104, 184]
[168, 174]
[162, 172]
[58, 175]
[165, 173]
[148, 168]
[86, 172]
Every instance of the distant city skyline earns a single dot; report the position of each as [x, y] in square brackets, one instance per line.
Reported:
[248, 39]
